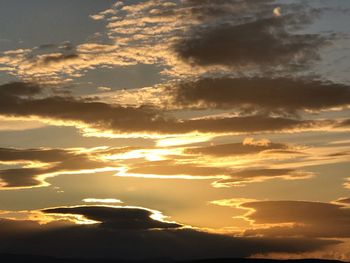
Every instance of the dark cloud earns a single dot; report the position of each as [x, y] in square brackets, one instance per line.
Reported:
[236, 149]
[92, 113]
[207, 10]
[51, 53]
[116, 218]
[56, 58]
[55, 160]
[118, 119]
[281, 95]
[219, 3]
[21, 177]
[263, 42]
[137, 242]
[307, 219]
[50, 46]
[42, 155]
[14, 89]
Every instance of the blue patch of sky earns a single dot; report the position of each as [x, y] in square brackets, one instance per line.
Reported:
[117, 78]
[25, 24]
[6, 78]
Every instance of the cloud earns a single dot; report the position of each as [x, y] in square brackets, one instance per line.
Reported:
[345, 200]
[57, 58]
[224, 175]
[229, 33]
[232, 164]
[41, 155]
[16, 89]
[116, 217]
[22, 177]
[298, 218]
[91, 113]
[94, 116]
[57, 65]
[231, 149]
[128, 234]
[278, 95]
[40, 164]
[259, 175]
[251, 124]
[166, 169]
[345, 123]
[206, 12]
[25, 168]
[262, 41]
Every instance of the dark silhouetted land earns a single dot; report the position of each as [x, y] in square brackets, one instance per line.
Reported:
[44, 259]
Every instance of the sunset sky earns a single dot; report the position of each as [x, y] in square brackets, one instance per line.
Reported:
[175, 128]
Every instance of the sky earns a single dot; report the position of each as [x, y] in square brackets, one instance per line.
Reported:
[180, 129]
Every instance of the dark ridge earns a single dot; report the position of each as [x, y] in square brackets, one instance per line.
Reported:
[46, 259]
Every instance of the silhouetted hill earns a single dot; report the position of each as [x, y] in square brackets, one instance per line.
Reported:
[45, 259]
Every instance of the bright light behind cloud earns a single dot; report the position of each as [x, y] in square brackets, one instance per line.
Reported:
[277, 11]
[17, 124]
[148, 154]
[184, 140]
[104, 200]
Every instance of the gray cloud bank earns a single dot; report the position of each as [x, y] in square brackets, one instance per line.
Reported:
[279, 95]
[25, 100]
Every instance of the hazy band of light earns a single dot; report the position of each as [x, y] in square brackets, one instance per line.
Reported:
[104, 200]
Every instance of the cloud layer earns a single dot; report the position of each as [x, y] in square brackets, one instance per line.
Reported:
[39, 164]
[263, 42]
[27, 101]
[116, 218]
[127, 234]
[232, 34]
[276, 95]
[295, 218]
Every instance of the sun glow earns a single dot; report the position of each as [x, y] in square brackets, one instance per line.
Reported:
[148, 154]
